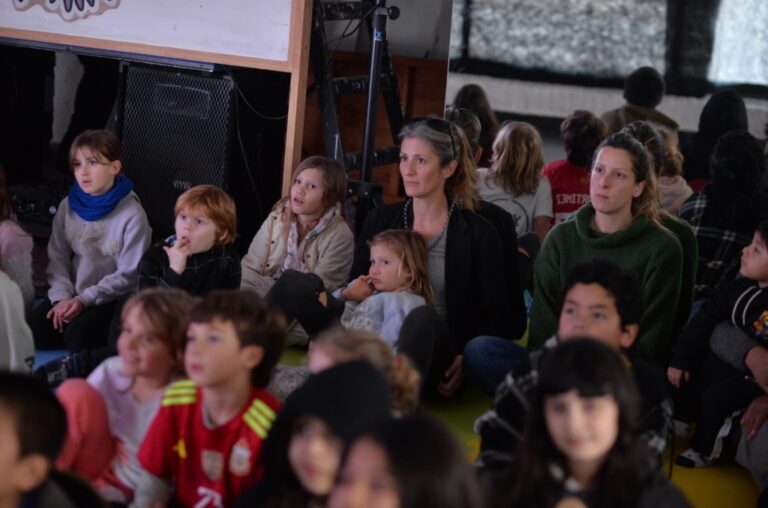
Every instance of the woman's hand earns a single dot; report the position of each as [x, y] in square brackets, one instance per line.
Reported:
[452, 378]
[177, 255]
[357, 290]
[676, 376]
[65, 311]
[755, 415]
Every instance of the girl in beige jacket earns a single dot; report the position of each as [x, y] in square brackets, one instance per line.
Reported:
[306, 231]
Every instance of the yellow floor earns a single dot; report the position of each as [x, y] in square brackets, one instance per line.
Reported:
[725, 484]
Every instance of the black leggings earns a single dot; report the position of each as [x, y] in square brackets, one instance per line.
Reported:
[425, 340]
[93, 334]
[296, 294]
[713, 395]
[87, 331]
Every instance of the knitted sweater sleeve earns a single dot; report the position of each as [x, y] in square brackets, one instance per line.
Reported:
[661, 294]
[136, 241]
[60, 276]
[548, 291]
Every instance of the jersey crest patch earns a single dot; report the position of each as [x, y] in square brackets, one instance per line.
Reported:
[213, 464]
[240, 458]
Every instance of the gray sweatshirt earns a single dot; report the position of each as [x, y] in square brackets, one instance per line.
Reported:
[96, 261]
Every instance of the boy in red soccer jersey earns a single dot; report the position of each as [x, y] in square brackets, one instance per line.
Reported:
[202, 446]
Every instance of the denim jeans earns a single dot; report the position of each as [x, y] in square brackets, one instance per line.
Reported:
[488, 359]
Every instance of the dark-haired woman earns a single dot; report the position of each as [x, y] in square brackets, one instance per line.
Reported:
[621, 224]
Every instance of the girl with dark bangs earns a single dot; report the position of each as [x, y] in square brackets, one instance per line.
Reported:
[581, 442]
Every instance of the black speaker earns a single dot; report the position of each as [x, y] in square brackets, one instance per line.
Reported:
[182, 128]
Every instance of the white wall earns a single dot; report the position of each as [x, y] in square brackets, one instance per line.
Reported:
[553, 100]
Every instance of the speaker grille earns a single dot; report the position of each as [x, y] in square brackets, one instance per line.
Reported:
[176, 133]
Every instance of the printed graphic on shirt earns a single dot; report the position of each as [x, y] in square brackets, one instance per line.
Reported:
[761, 326]
[180, 449]
[259, 418]
[180, 393]
[213, 464]
[571, 199]
[520, 216]
[209, 498]
[240, 458]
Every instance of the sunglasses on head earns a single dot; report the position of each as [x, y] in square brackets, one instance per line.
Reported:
[439, 125]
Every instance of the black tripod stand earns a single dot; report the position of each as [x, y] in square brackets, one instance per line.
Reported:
[368, 192]
[380, 80]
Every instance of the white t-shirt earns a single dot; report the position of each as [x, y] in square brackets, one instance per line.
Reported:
[523, 208]
[129, 421]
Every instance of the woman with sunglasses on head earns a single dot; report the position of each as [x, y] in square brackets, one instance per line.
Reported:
[465, 264]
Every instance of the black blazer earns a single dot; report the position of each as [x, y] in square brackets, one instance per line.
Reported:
[505, 227]
[476, 284]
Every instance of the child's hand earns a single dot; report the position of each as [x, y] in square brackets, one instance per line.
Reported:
[64, 311]
[177, 255]
[357, 290]
[757, 363]
[452, 378]
[675, 376]
[755, 416]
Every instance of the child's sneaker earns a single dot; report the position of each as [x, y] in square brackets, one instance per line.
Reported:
[691, 458]
[57, 371]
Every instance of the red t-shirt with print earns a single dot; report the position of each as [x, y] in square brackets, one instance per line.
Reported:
[210, 467]
[570, 188]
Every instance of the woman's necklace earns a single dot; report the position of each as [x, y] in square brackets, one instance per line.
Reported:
[408, 205]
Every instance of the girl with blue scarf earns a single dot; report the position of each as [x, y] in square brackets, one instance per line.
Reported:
[99, 234]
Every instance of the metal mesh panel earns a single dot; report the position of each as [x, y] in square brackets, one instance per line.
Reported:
[176, 134]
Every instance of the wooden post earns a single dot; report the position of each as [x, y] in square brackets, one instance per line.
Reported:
[298, 58]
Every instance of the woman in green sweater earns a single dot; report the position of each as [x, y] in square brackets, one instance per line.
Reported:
[621, 223]
[650, 136]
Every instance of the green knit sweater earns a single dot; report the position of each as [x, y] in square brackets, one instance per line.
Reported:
[645, 249]
[684, 234]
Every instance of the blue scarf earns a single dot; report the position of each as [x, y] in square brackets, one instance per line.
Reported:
[93, 208]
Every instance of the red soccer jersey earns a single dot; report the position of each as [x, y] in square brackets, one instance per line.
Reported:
[570, 187]
[210, 467]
